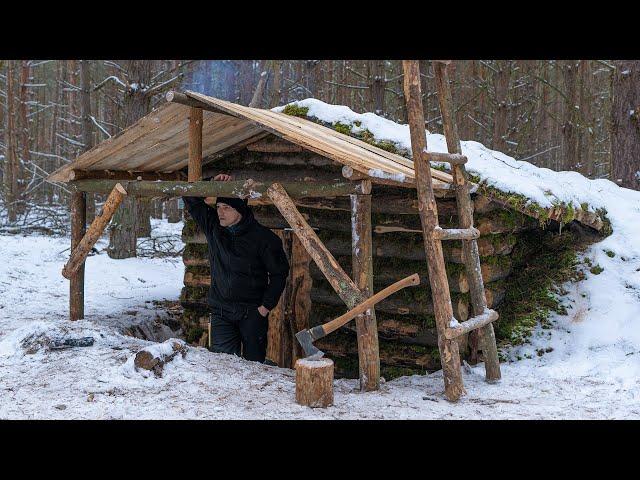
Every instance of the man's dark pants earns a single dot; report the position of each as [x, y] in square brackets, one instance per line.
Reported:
[239, 329]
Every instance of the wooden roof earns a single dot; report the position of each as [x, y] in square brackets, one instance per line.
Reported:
[159, 142]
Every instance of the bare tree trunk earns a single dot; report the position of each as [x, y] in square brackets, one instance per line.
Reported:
[276, 85]
[625, 124]
[376, 86]
[570, 126]
[87, 127]
[132, 218]
[500, 125]
[122, 232]
[587, 130]
[173, 212]
[258, 94]
[11, 160]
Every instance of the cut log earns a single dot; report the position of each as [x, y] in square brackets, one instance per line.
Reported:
[79, 254]
[155, 357]
[314, 383]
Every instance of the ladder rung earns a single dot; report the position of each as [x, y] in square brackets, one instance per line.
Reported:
[452, 158]
[456, 233]
[473, 323]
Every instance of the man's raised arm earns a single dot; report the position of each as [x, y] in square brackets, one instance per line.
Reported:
[205, 216]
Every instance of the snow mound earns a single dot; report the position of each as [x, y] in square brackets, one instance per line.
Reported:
[40, 336]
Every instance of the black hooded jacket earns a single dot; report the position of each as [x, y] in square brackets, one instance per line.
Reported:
[248, 264]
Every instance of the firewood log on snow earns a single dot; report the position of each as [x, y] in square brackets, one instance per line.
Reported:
[155, 357]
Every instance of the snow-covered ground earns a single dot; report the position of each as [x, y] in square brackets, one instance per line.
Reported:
[592, 372]
[577, 380]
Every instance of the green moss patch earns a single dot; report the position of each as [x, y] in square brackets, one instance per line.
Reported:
[542, 260]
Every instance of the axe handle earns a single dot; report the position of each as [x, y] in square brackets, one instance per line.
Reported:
[333, 325]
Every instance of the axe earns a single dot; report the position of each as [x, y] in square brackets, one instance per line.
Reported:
[308, 336]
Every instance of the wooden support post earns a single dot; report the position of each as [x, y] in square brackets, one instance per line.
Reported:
[280, 336]
[362, 262]
[195, 145]
[78, 228]
[314, 382]
[79, 254]
[441, 296]
[486, 335]
[328, 265]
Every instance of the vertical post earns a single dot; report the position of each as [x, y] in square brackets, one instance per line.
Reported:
[427, 208]
[299, 305]
[78, 228]
[279, 337]
[362, 262]
[471, 257]
[195, 144]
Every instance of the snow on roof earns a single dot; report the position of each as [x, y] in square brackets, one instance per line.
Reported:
[601, 334]
[541, 188]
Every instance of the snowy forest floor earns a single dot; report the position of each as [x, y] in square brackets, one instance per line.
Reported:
[97, 382]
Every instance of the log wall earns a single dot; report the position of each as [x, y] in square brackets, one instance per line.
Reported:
[406, 325]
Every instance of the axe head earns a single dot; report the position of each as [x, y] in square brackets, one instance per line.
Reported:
[310, 350]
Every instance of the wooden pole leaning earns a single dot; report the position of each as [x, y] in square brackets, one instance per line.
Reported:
[486, 334]
[79, 254]
[78, 230]
[427, 208]
[328, 265]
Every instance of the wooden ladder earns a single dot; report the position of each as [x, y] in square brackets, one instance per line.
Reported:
[448, 328]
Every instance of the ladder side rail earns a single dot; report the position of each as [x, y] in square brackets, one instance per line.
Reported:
[487, 339]
[443, 310]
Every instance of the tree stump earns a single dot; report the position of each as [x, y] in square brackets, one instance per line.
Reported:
[314, 382]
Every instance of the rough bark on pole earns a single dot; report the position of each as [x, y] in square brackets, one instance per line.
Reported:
[195, 145]
[328, 265]
[443, 311]
[314, 382]
[486, 335]
[362, 261]
[78, 228]
[242, 189]
[79, 254]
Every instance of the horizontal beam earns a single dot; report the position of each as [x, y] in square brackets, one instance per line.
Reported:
[241, 189]
[452, 158]
[178, 97]
[456, 233]
[473, 323]
[120, 175]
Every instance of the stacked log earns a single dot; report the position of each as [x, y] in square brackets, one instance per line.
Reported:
[405, 321]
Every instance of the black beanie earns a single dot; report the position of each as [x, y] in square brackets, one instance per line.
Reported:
[240, 204]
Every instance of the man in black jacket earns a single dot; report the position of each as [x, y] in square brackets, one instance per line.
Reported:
[248, 273]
